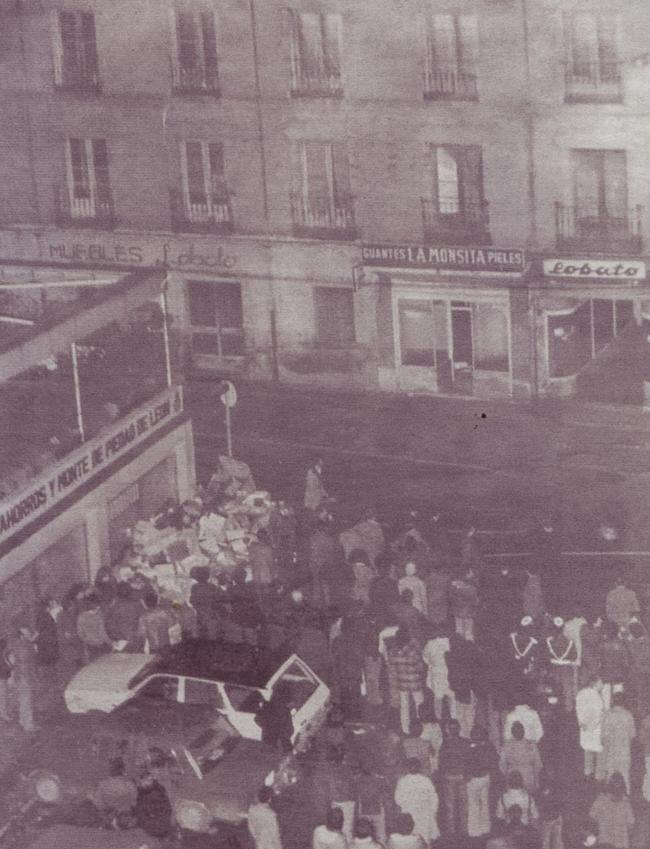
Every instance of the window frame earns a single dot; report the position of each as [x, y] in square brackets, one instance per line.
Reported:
[218, 330]
[322, 311]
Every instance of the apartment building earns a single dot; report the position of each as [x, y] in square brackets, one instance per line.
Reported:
[424, 196]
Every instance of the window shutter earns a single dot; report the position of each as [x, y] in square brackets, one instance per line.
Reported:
[443, 42]
[468, 44]
[228, 303]
[57, 46]
[310, 44]
[298, 179]
[318, 174]
[587, 176]
[332, 38]
[471, 179]
[217, 177]
[608, 46]
[188, 56]
[79, 169]
[209, 33]
[584, 44]
[201, 296]
[195, 176]
[432, 173]
[340, 174]
[68, 28]
[89, 41]
[100, 163]
[615, 176]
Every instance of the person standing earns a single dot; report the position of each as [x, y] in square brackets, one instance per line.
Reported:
[434, 655]
[330, 835]
[408, 667]
[529, 718]
[437, 583]
[621, 604]
[516, 794]
[404, 835]
[617, 733]
[563, 658]
[453, 766]
[364, 836]
[613, 814]
[205, 599]
[522, 756]
[614, 660]
[590, 709]
[47, 637]
[372, 794]
[324, 552]
[482, 765]
[416, 795]
[411, 581]
[638, 647]
[154, 625]
[532, 596]
[91, 629]
[263, 821]
[22, 656]
[5, 675]
[315, 492]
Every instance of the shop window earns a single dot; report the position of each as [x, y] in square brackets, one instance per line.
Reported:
[490, 330]
[216, 308]
[334, 316]
[139, 500]
[63, 564]
[416, 333]
[569, 341]
[157, 487]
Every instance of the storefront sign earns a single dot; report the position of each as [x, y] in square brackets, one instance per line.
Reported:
[92, 458]
[503, 260]
[581, 268]
[184, 256]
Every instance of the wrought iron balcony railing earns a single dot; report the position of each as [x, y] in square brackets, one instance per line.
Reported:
[202, 79]
[323, 218]
[587, 82]
[454, 223]
[597, 229]
[447, 82]
[211, 215]
[83, 211]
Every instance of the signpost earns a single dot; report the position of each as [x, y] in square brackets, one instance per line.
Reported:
[228, 395]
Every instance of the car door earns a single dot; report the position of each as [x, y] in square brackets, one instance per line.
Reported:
[307, 694]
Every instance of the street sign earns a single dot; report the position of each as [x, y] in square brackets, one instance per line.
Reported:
[228, 394]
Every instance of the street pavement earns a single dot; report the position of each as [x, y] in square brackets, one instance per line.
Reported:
[496, 464]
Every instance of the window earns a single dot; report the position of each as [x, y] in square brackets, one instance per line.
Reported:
[88, 193]
[321, 196]
[76, 64]
[205, 193]
[216, 308]
[160, 688]
[600, 183]
[593, 69]
[195, 49]
[599, 216]
[334, 316]
[452, 57]
[416, 333]
[457, 203]
[316, 54]
[490, 332]
[244, 699]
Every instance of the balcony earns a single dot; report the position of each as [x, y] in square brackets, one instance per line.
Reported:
[211, 216]
[198, 80]
[448, 223]
[449, 83]
[83, 212]
[594, 82]
[305, 83]
[597, 230]
[81, 80]
[324, 218]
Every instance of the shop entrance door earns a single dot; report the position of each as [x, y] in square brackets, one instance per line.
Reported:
[462, 346]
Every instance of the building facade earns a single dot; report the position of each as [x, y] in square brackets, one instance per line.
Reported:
[344, 194]
[95, 435]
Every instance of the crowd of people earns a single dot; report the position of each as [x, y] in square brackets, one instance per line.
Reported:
[461, 686]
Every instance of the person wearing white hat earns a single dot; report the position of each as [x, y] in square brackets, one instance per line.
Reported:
[563, 657]
[524, 646]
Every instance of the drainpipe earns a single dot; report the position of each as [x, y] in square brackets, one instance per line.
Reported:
[27, 115]
[275, 367]
[532, 200]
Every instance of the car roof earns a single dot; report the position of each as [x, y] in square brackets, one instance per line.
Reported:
[232, 663]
